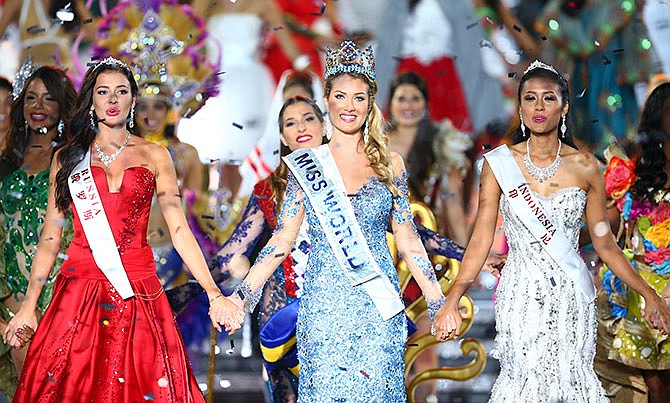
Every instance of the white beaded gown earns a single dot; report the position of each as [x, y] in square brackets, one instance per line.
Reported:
[546, 326]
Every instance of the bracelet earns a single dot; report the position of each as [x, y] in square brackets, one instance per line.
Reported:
[214, 298]
[248, 296]
[434, 306]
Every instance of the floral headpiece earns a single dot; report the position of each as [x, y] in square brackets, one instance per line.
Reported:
[162, 41]
[27, 69]
[348, 58]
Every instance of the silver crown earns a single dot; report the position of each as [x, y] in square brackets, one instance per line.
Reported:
[27, 69]
[348, 58]
[539, 65]
[111, 61]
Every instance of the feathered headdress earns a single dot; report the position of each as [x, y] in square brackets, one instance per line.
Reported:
[163, 42]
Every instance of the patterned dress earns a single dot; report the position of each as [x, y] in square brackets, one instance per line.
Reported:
[546, 327]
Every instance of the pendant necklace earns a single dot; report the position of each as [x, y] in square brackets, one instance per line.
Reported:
[541, 174]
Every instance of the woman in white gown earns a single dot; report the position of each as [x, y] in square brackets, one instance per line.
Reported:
[545, 312]
[235, 119]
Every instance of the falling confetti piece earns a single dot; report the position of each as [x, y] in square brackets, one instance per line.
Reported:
[239, 126]
[36, 146]
[35, 29]
[278, 28]
[553, 282]
[485, 44]
[595, 121]
[512, 74]
[517, 28]
[617, 50]
[413, 345]
[472, 25]
[365, 374]
[275, 152]
[121, 380]
[104, 322]
[162, 382]
[62, 255]
[544, 38]
[149, 396]
[88, 21]
[596, 43]
[581, 94]
[107, 306]
[65, 14]
[207, 217]
[606, 60]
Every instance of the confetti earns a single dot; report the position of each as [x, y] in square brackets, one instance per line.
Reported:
[104, 322]
[35, 29]
[517, 28]
[149, 396]
[36, 146]
[213, 160]
[617, 50]
[544, 38]
[275, 152]
[606, 60]
[162, 382]
[239, 126]
[207, 217]
[472, 25]
[88, 21]
[581, 94]
[62, 255]
[107, 306]
[485, 44]
[365, 374]
[121, 380]
[512, 74]
[595, 120]
[413, 344]
[553, 282]
[231, 350]
[280, 255]
[278, 28]
[65, 14]
[596, 43]
[487, 146]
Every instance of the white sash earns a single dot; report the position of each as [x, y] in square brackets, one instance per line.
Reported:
[94, 222]
[530, 212]
[321, 181]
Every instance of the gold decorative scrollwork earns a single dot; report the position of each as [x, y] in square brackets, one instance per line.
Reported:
[420, 342]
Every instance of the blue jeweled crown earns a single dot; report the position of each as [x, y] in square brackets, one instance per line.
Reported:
[348, 58]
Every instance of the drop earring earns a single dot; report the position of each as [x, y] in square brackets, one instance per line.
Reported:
[564, 128]
[60, 129]
[92, 120]
[366, 135]
[523, 127]
[329, 128]
[131, 119]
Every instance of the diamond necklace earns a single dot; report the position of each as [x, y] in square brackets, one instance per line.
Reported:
[108, 159]
[541, 174]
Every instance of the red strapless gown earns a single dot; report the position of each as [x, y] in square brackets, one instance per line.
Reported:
[92, 346]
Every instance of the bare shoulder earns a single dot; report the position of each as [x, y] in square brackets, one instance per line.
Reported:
[150, 152]
[397, 163]
[584, 162]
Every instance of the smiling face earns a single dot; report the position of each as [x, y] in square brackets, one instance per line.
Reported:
[301, 127]
[5, 107]
[151, 114]
[541, 105]
[408, 105]
[40, 109]
[112, 99]
[348, 104]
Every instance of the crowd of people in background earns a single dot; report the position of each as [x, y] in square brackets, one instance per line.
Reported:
[229, 87]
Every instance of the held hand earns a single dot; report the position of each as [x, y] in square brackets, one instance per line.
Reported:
[657, 314]
[448, 322]
[227, 311]
[21, 328]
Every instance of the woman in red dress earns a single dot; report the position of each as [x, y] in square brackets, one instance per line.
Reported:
[109, 333]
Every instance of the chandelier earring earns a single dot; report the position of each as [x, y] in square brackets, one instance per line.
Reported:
[523, 127]
[131, 118]
[366, 135]
[564, 128]
[27, 127]
[92, 120]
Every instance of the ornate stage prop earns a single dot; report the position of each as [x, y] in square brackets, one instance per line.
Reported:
[417, 343]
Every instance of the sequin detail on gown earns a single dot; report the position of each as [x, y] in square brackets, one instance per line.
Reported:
[347, 352]
[546, 327]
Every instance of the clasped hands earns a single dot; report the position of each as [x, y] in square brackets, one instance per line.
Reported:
[448, 321]
[21, 329]
[227, 312]
[657, 313]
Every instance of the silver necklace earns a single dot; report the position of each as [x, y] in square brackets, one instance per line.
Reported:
[541, 174]
[108, 159]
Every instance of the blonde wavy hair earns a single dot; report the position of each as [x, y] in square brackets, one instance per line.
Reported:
[376, 148]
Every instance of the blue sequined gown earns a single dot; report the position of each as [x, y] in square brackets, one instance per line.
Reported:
[347, 352]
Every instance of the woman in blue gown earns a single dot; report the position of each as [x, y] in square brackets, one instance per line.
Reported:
[351, 330]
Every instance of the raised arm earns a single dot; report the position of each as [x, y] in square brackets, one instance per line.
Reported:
[45, 257]
[248, 292]
[409, 243]
[448, 319]
[656, 313]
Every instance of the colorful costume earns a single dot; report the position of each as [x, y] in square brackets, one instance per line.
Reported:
[93, 345]
[624, 336]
